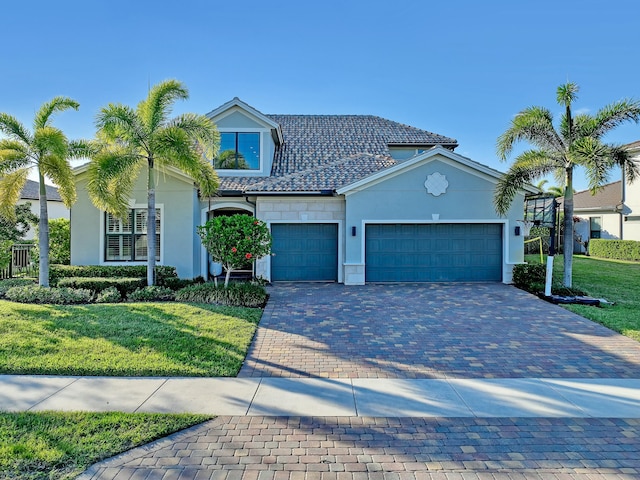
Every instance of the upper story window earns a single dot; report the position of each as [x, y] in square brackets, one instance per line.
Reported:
[238, 151]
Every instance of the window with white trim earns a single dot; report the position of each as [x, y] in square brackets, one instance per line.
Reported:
[238, 151]
[126, 239]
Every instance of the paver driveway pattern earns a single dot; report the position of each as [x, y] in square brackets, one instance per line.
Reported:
[430, 331]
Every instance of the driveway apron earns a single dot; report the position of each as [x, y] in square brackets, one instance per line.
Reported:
[430, 331]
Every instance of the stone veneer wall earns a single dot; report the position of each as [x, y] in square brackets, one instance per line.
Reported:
[301, 210]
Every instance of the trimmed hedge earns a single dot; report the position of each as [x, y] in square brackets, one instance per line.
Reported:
[151, 293]
[236, 294]
[109, 295]
[57, 296]
[5, 285]
[615, 249]
[530, 276]
[56, 272]
[124, 285]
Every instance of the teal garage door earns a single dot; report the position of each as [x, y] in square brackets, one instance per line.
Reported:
[304, 252]
[443, 252]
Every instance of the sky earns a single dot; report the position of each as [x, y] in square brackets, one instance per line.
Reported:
[460, 68]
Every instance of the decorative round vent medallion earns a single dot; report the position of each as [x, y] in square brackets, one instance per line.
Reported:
[436, 184]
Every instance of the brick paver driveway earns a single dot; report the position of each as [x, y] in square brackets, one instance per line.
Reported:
[409, 331]
[430, 331]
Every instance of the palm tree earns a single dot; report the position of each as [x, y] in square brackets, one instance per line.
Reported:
[128, 139]
[48, 150]
[576, 142]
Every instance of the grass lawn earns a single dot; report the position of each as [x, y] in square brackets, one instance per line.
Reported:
[136, 339]
[614, 280]
[56, 445]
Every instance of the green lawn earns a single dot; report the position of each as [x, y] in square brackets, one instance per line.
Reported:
[56, 445]
[136, 339]
[614, 280]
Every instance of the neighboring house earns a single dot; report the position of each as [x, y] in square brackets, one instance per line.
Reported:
[612, 213]
[55, 208]
[348, 198]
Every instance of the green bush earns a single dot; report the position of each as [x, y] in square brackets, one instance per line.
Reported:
[124, 285]
[615, 249]
[54, 295]
[151, 293]
[179, 283]
[109, 295]
[530, 276]
[14, 282]
[56, 272]
[236, 294]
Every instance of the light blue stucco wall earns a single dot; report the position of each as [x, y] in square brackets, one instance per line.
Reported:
[404, 198]
[177, 199]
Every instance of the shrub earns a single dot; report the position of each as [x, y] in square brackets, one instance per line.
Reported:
[151, 293]
[53, 295]
[14, 282]
[56, 272]
[124, 285]
[109, 295]
[236, 294]
[530, 276]
[179, 283]
[615, 249]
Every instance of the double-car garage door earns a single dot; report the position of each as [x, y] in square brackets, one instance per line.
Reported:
[442, 252]
[393, 252]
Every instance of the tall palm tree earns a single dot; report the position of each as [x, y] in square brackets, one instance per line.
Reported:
[576, 142]
[128, 139]
[48, 150]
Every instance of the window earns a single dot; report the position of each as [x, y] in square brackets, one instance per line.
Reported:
[238, 151]
[595, 227]
[126, 240]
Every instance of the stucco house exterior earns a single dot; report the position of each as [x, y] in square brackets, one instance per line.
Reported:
[55, 208]
[348, 198]
[612, 213]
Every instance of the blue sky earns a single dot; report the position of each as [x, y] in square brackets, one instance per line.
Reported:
[461, 68]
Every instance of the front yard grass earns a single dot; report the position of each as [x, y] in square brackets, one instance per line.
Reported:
[138, 339]
[57, 445]
[614, 280]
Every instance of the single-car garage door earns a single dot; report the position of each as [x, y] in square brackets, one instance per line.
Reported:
[304, 252]
[443, 252]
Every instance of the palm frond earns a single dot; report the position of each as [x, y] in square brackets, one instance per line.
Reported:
[57, 104]
[527, 167]
[11, 185]
[79, 149]
[596, 157]
[156, 108]
[566, 94]
[120, 123]
[10, 126]
[533, 125]
[50, 140]
[13, 155]
[613, 115]
[630, 166]
[59, 171]
[201, 130]
[112, 174]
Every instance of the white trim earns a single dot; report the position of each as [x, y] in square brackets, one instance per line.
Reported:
[204, 255]
[227, 172]
[101, 246]
[340, 241]
[505, 234]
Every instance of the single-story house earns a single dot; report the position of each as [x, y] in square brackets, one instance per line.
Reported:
[55, 208]
[348, 198]
[612, 213]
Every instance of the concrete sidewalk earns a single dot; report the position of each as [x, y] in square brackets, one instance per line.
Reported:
[357, 397]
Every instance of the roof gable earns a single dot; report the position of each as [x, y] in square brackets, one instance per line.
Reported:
[236, 105]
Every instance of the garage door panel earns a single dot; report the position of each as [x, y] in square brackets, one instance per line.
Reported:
[433, 252]
[304, 252]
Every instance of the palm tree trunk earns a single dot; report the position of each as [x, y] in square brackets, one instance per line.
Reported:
[43, 234]
[568, 230]
[151, 224]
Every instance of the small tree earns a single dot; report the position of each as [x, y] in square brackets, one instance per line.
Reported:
[59, 241]
[235, 241]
